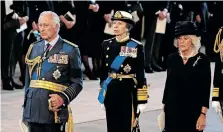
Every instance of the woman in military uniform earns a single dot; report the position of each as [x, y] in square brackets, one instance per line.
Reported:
[123, 82]
[187, 89]
[217, 94]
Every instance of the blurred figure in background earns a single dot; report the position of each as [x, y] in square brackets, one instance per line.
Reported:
[22, 9]
[82, 9]
[152, 11]
[13, 17]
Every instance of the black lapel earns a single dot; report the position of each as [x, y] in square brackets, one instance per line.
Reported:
[56, 48]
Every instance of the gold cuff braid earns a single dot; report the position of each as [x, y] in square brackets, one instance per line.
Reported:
[142, 93]
[215, 92]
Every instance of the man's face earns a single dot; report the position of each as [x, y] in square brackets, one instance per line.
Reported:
[46, 27]
[119, 27]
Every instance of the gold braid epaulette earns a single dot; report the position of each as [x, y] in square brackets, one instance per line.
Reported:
[33, 62]
[218, 45]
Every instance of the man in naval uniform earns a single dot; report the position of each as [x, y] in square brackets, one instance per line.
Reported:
[123, 83]
[53, 79]
[217, 93]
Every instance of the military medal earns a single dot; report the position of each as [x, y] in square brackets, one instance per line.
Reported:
[127, 68]
[134, 53]
[123, 51]
[63, 59]
[56, 74]
[53, 58]
[58, 58]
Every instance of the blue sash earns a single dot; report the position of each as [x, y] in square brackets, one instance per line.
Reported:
[115, 67]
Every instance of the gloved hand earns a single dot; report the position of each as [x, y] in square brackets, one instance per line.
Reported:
[141, 107]
[216, 105]
[103, 106]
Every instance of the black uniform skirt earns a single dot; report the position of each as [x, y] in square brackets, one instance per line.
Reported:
[120, 105]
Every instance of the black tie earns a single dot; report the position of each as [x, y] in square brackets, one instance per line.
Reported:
[48, 46]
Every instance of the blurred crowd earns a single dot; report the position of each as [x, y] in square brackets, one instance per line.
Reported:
[84, 22]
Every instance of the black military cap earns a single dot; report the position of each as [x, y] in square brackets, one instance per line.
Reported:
[123, 16]
[185, 28]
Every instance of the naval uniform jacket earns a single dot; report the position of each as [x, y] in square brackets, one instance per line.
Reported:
[123, 94]
[111, 48]
[217, 94]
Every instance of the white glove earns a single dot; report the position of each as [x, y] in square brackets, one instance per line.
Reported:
[103, 106]
[141, 107]
[216, 105]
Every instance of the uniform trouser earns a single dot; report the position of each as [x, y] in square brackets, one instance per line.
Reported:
[156, 50]
[152, 45]
[36, 127]
[8, 38]
[17, 53]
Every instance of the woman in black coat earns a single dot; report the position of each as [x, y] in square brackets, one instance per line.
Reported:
[187, 89]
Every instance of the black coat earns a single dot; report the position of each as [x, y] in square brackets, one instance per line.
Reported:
[187, 90]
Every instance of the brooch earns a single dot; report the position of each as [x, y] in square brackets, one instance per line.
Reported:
[195, 63]
[56, 74]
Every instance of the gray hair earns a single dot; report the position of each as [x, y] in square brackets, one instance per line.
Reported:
[129, 26]
[196, 41]
[56, 19]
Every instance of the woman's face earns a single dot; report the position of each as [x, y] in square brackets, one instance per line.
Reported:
[184, 43]
[119, 27]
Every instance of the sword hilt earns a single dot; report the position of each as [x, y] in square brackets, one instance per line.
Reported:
[56, 117]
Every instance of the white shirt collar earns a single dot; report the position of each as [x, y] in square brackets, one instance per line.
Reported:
[53, 42]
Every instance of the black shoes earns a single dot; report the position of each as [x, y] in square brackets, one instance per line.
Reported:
[148, 69]
[90, 75]
[157, 68]
[9, 84]
[154, 68]
[7, 87]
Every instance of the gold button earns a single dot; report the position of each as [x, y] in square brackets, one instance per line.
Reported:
[43, 78]
[121, 65]
[108, 48]
[106, 64]
[106, 56]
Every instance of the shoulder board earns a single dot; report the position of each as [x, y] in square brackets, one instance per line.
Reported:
[109, 39]
[70, 43]
[136, 41]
